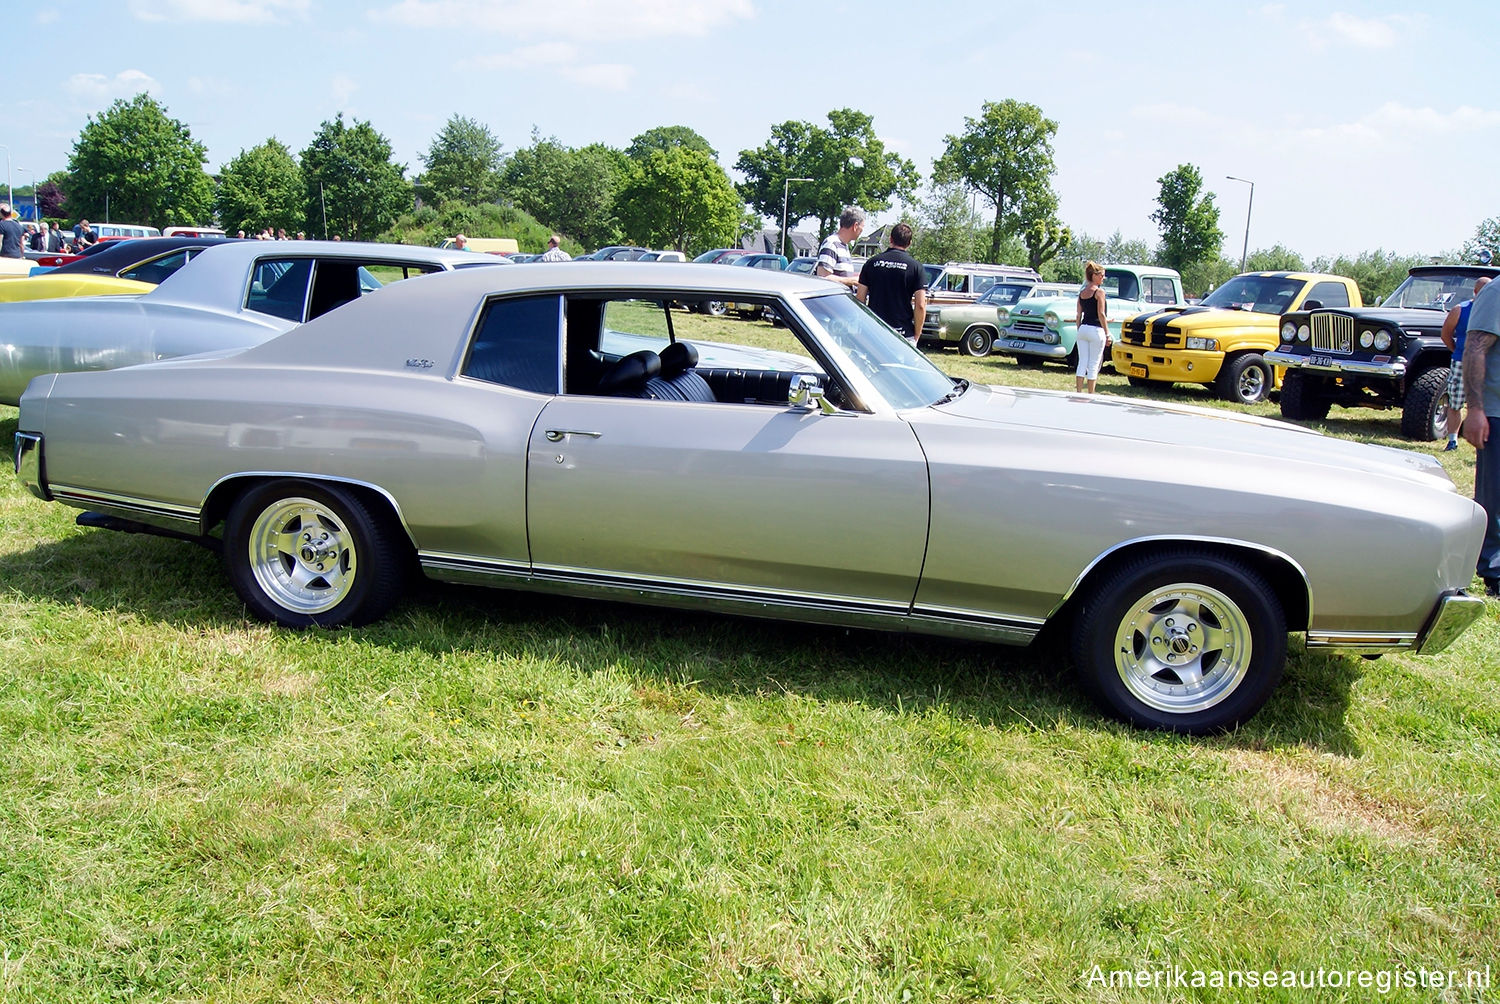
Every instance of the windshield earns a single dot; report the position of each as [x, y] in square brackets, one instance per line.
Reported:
[900, 373]
[1264, 294]
[1432, 291]
[1003, 294]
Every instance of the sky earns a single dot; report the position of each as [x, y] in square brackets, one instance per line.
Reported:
[1363, 126]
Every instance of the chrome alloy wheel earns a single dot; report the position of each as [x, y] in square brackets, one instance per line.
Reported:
[302, 556]
[1253, 384]
[1183, 648]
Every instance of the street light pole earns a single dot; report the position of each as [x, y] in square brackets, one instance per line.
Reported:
[36, 207]
[786, 192]
[10, 193]
[1245, 253]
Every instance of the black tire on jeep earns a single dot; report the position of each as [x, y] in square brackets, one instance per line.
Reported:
[1424, 416]
[1302, 398]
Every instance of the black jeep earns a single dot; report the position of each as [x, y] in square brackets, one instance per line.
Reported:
[1390, 356]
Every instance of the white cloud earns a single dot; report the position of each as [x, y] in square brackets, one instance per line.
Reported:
[231, 11]
[1393, 125]
[560, 59]
[1168, 116]
[1366, 33]
[342, 87]
[609, 76]
[97, 88]
[47, 15]
[569, 18]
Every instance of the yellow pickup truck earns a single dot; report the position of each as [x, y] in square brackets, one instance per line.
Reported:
[1222, 341]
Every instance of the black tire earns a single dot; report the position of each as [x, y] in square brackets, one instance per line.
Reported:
[714, 308]
[1140, 618]
[1029, 362]
[1424, 415]
[1302, 398]
[1139, 381]
[1071, 359]
[348, 568]
[978, 341]
[1245, 378]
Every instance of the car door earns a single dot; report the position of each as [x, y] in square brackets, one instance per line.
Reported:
[777, 503]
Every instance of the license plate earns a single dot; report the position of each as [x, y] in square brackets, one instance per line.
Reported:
[1137, 371]
[1012, 344]
[1321, 360]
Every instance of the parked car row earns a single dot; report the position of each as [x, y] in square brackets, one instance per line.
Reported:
[551, 428]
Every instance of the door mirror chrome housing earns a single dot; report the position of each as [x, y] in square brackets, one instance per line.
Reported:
[806, 392]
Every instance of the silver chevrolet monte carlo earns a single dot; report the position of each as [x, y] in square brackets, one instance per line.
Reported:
[554, 428]
[228, 296]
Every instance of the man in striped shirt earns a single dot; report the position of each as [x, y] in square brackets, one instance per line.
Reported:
[834, 260]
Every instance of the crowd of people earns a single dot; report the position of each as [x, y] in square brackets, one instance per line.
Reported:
[18, 237]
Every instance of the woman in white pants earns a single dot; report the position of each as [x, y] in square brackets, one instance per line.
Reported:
[1092, 322]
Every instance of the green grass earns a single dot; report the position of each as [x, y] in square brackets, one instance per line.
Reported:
[495, 796]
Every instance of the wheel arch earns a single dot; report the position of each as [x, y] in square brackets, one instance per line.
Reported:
[222, 495]
[1284, 575]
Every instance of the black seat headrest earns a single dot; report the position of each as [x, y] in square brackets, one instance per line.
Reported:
[677, 358]
[629, 374]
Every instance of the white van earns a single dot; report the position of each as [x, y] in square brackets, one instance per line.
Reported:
[103, 230]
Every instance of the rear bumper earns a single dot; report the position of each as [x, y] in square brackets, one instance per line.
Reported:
[1454, 612]
[28, 459]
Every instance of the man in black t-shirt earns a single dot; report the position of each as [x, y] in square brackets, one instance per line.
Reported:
[893, 285]
[11, 234]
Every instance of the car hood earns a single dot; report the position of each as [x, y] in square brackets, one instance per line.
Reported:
[1171, 429]
[1210, 318]
[1396, 317]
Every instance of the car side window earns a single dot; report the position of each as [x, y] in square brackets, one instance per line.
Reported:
[279, 287]
[1161, 290]
[518, 344]
[1330, 294]
[956, 282]
[157, 269]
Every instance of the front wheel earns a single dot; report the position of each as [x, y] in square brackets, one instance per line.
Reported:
[977, 342]
[1302, 397]
[715, 308]
[1186, 641]
[1424, 415]
[312, 555]
[1245, 379]
[1136, 381]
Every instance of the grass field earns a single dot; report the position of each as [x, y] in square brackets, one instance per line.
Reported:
[493, 796]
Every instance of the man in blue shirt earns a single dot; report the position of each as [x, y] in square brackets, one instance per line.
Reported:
[1481, 368]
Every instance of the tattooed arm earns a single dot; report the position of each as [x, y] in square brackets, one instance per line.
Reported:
[1476, 427]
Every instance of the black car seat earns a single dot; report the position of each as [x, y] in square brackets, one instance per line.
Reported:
[679, 381]
[629, 375]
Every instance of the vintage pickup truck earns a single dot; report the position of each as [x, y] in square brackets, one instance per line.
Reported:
[1041, 327]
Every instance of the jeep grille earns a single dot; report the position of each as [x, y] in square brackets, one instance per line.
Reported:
[1333, 333]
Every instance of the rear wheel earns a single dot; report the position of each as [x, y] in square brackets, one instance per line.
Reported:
[312, 555]
[978, 341]
[1302, 398]
[714, 308]
[1424, 416]
[1188, 641]
[1245, 379]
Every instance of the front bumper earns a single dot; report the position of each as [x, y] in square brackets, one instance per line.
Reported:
[28, 460]
[1006, 342]
[1171, 365]
[1394, 369]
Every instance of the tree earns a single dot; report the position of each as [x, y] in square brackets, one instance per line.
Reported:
[1041, 230]
[262, 187]
[571, 191]
[1275, 259]
[51, 194]
[679, 198]
[1378, 272]
[135, 163]
[350, 178]
[666, 138]
[463, 164]
[1486, 238]
[1188, 219]
[848, 163]
[951, 229]
[1006, 156]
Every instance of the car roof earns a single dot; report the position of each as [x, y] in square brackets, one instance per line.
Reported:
[123, 254]
[225, 266]
[430, 318]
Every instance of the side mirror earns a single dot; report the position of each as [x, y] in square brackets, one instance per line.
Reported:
[806, 392]
[1312, 304]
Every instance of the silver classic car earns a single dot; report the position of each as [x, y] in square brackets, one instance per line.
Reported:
[229, 296]
[554, 428]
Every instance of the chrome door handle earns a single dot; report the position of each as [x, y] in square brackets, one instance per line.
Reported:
[558, 435]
